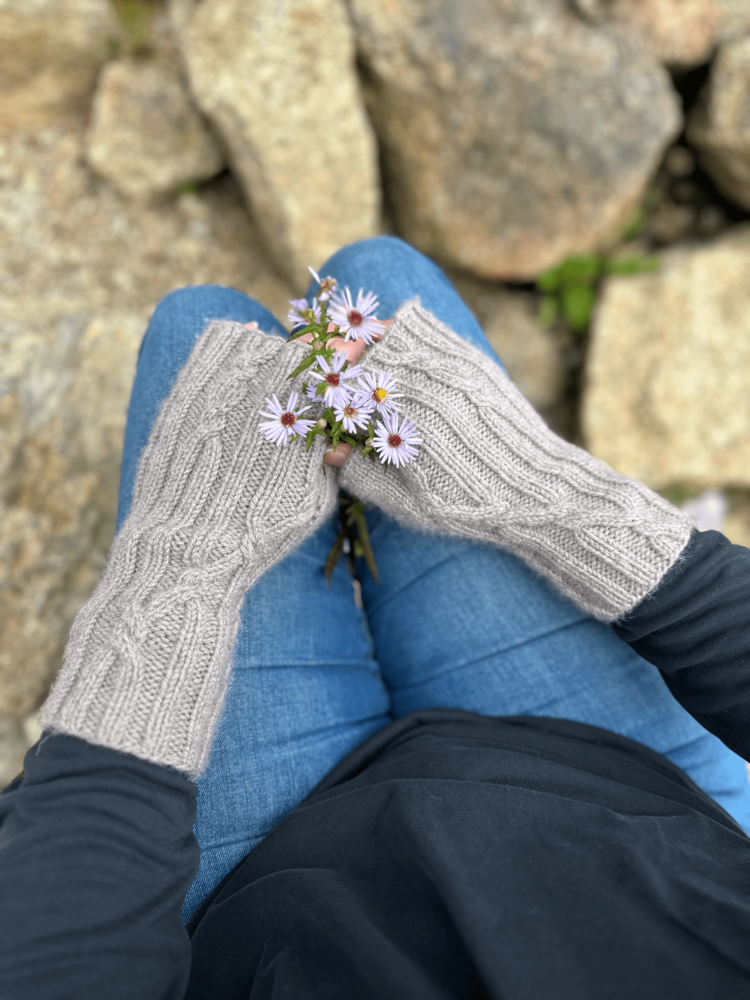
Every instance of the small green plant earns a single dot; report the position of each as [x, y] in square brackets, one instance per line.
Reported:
[135, 17]
[571, 289]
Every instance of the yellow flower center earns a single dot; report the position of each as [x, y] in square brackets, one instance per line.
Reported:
[379, 394]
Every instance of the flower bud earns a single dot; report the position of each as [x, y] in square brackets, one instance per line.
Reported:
[369, 442]
[321, 424]
[317, 344]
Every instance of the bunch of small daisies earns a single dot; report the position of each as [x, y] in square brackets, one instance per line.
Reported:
[349, 406]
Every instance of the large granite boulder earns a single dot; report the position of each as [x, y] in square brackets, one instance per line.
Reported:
[719, 126]
[513, 133]
[680, 33]
[277, 79]
[735, 19]
[81, 271]
[146, 137]
[50, 52]
[667, 396]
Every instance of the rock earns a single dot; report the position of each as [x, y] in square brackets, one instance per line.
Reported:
[66, 362]
[532, 356]
[719, 126]
[145, 135]
[12, 748]
[735, 19]
[513, 134]
[50, 52]
[737, 524]
[667, 396]
[277, 79]
[680, 33]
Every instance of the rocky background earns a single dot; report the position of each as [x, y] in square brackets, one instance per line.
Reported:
[581, 168]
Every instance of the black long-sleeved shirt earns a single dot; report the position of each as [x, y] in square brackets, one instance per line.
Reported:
[451, 855]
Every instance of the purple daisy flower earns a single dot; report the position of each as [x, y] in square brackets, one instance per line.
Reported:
[354, 319]
[337, 392]
[302, 312]
[352, 416]
[380, 390]
[395, 443]
[284, 422]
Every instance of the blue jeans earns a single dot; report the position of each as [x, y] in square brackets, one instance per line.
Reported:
[452, 623]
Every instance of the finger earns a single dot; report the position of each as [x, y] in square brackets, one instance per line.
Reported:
[338, 457]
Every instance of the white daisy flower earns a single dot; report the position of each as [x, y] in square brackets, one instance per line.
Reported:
[396, 444]
[302, 312]
[352, 416]
[380, 390]
[337, 392]
[355, 319]
[284, 422]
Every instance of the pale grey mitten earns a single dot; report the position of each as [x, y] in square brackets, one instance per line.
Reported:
[214, 506]
[490, 469]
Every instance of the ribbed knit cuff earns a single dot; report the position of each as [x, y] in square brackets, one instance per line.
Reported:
[214, 506]
[490, 469]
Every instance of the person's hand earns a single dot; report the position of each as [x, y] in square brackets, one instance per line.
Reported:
[215, 505]
[490, 469]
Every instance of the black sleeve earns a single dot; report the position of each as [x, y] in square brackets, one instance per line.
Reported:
[96, 856]
[695, 628]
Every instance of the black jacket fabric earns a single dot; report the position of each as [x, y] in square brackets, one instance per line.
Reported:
[451, 855]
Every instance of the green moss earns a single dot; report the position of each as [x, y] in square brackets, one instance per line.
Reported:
[136, 18]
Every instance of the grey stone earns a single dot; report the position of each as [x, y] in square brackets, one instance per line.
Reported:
[277, 79]
[735, 19]
[146, 137]
[50, 52]
[667, 396]
[680, 33]
[513, 134]
[719, 126]
[12, 748]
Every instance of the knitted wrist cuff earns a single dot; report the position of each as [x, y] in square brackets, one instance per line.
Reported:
[490, 469]
[214, 506]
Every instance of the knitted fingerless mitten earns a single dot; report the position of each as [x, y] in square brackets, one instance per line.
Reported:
[490, 469]
[214, 506]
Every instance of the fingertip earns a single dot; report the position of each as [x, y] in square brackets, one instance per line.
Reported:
[338, 457]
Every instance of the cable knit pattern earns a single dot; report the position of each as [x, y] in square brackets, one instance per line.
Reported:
[490, 469]
[214, 506]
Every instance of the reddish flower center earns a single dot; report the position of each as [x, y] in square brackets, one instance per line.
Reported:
[350, 411]
[288, 419]
[394, 440]
[355, 318]
[379, 395]
[332, 378]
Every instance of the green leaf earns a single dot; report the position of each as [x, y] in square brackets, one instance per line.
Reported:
[349, 440]
[329, 415]
[305, 363]
[549, 281]
[310, 328]
[310, 439]
[334, 555]
[358, 514]
[577, 304]
[633, 265]
[581, 269]
[367, 450]
[321, 388]
[548, 311]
